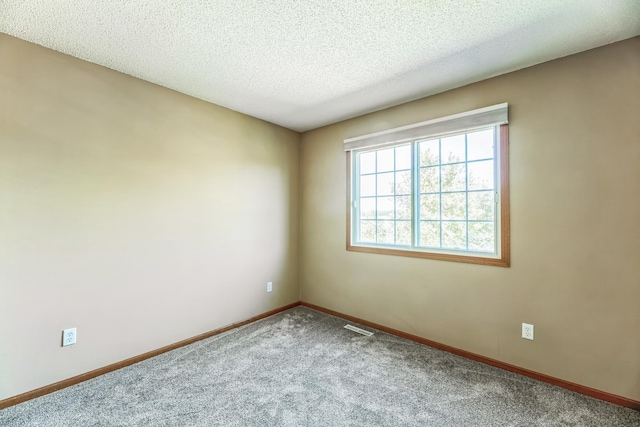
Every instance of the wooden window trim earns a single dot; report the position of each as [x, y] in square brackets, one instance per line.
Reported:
[505, 236]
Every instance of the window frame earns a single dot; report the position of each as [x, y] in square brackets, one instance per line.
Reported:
[502, 259]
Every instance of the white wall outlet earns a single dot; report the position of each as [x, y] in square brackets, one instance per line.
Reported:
[527, 331]
[269, 286]
[69, 337]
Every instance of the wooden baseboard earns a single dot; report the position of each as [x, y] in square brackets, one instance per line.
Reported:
[588, 391]
[118, 365]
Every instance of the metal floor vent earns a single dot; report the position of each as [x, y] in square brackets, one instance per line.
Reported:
[358, 330]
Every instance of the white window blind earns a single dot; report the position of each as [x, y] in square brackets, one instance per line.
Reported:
[482, 117]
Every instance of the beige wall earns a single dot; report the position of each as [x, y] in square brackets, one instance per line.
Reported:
[139, 215]
[575, 209]
[143, 217]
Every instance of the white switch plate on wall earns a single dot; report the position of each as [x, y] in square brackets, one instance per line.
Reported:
[69, 337]
[269, 286]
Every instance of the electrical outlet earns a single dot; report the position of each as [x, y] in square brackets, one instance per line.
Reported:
[269, 286]
[69, 337]
[527, 331]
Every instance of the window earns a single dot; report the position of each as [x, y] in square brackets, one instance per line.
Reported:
[437, 189]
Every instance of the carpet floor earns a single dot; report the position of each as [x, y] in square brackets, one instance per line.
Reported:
[302, 368]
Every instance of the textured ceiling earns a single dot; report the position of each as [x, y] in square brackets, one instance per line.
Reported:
[303, 64]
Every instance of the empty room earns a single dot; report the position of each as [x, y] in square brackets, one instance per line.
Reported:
[320, 213]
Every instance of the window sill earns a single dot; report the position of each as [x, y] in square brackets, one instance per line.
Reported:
[498, 262]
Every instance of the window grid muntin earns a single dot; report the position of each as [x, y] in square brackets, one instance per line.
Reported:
[416, 220]
[378, 221]
[415, 197]
[466, 193]
[439, 188]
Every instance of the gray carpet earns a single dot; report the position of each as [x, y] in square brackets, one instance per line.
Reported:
[301, 368]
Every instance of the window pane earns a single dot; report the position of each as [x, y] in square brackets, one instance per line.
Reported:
[403, 233]
[453, 178]
[385, 184]
[430, 206]
[480, 175]
[453, 149]
[367, 163]
[430, 180]
[368, 231]
[385, 160]
[368, 208]
[480, 145]
[368, 185]
[454, 235]
[403, 182]
[403, 207]
[454, 206]
[481, 236]
[385, 207]
[430, 234]
[403, 157]
[429, 152]
[456, 183]
[481, 205]
[386, 232]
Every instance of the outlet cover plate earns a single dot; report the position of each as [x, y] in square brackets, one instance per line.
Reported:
[527, 331]
[69, 336]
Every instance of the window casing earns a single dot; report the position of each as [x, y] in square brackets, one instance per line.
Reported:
[443, 196]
